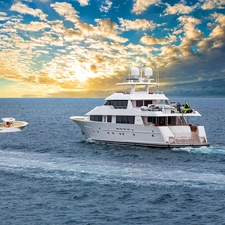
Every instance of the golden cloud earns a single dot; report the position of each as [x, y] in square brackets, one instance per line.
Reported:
[150, 40]
[179, 9]
[211, 4]
[141, 5]
[24, 9]
[138, 24]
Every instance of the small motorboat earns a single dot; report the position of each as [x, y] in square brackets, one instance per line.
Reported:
[9, 124]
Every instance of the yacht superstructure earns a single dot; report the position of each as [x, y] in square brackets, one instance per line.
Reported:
[142, 116]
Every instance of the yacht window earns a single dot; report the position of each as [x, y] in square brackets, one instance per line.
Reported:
[169, 121]
[109, 119]
[158, 120]
[125, 119]
[117, 104]
[162, 120]
[147, 102]
[151, 120]
[139, 103]
[108, 102]
[96, 118]
[172, 120]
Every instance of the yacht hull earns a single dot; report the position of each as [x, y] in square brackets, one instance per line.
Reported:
[133, 134]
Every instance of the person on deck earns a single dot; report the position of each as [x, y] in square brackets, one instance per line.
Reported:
[186, 107]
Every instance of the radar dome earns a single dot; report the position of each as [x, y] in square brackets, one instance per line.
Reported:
[134, 72]
[148, 72]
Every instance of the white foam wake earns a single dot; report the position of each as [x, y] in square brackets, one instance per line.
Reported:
[204, 150]
[13, 129]
[89, 170]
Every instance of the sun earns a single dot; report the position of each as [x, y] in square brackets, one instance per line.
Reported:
[81, 72]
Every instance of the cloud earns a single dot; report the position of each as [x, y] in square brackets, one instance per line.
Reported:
[200, 88]
[70, 35]
[178, 9]
[3, 16]
[61, 33]
[106, 6]
[66, 10]
[150, 40]
[189, 20]
[105, 28]
[192, 35]
[220, 18]
[24, 9]
[216, 37]
[171, 53]
[211, 4]
[173, 47]
[45, 79]
[80, 94]
[134, 49]
[33, 26]
[68, 56]
[13, 70]
[141, 5]
[83, 2]
[138, 24]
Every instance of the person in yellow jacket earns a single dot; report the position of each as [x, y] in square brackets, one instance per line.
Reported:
[186, 107]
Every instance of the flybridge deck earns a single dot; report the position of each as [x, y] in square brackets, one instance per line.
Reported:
[138, 83]
[136, 80]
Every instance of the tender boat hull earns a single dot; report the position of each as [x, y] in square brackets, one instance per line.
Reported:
[15, 126]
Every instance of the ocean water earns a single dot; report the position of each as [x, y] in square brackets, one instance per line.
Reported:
[49, 174]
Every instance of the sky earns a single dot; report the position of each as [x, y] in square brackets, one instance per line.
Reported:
[82, 48]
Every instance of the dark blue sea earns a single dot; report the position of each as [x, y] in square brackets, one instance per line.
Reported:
[49, 174]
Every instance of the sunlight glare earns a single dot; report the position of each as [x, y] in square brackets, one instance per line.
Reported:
[81, 72]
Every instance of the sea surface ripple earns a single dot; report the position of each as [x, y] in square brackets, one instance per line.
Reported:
[49, 174]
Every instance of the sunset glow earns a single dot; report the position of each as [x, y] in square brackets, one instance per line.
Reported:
[81, 48]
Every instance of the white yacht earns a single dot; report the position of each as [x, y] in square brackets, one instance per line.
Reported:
[142, 116]
[9, 124]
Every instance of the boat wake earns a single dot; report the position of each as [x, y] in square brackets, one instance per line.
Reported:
[42, 166]
[8, 130]
[203, 150]
[89, 140]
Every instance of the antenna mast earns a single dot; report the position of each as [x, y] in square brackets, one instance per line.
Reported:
[157, 76]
